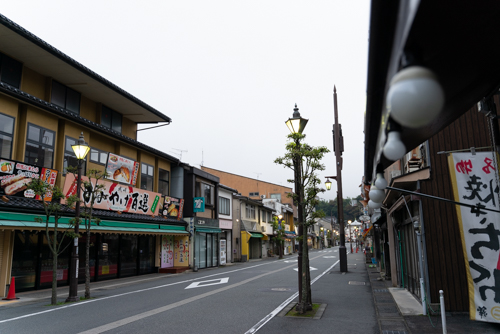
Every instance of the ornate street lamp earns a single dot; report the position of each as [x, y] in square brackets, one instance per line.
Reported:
[296, 124]
[81, 149]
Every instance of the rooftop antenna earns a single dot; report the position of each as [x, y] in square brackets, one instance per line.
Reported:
[201, 157]
[258, 174]
[180, 152]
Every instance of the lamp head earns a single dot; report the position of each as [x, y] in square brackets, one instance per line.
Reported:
[415, 97]
[394, 148]
[296, 124]
[280, 217]
[328, 184]
[81, 148]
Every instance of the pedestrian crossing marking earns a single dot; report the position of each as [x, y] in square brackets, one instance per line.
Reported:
[208, 283]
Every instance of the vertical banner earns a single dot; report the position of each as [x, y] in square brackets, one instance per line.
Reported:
[474, 179]
[167, 251]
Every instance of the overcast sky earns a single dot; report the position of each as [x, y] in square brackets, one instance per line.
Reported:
[228, 73]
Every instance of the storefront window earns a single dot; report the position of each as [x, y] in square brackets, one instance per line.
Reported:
[108, 256]
[24, 259]
[47, 261]
[82, 250]
[146, 254]
[128, 253]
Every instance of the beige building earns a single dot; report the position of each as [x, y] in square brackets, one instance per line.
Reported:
[253, 188]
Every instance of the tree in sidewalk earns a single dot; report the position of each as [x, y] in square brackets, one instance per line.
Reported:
[279, 232]
[305, 161]
[55, 240]
[92, 191]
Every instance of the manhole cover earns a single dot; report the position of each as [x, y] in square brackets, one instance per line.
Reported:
[281, 289]
[356, 283]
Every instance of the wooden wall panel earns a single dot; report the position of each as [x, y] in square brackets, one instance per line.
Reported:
[444, 248]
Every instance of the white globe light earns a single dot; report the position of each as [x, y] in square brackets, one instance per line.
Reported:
[394, 149]
[376, 194]
[374, 205]
[415, 97]
[380, 182]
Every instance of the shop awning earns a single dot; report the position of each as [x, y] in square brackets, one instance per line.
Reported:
[27, 222]
[208, 230]
[256, 235]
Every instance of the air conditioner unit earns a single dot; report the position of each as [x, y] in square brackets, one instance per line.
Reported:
[414, 154]
[395, 173]
[263, 228]
[262, 196]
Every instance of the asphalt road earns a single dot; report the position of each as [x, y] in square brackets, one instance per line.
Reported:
[232, 299]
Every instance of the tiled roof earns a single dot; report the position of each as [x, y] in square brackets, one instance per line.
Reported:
[25, 97]
[26, 205]
[57, 53]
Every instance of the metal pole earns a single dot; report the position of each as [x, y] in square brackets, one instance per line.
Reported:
[298, 192]
[340, 201]
[73, 280]
[422, 290]
[443, 314]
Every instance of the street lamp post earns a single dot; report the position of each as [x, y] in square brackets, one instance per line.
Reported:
[350, 234]
[280, 234]
[338, 147]
[81, 149]
[296, 124]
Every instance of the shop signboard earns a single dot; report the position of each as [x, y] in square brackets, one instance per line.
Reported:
[15, 177]
[199, 204]
[120, 169]
[474, 178]
[172, 207]
[118, 197]
[222, 252]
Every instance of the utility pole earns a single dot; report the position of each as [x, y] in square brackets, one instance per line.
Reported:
[338, 147]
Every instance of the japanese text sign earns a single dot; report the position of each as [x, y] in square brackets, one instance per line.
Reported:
[172, 207]
[120, 197]
[15, 177]
[474, 178]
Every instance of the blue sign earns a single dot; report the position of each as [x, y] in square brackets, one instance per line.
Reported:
[199, 204]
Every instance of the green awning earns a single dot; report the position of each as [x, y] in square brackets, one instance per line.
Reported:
[256, 235]
[208, 229]
[27, 222]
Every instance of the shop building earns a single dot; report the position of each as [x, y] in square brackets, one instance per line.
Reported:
[47, 100]
[201, 213]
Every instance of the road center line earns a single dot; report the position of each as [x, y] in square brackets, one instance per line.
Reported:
[116, 324]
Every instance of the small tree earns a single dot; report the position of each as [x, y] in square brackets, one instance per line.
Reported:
[91, 193]
[307, 160]
[56, 239]
[280, 235]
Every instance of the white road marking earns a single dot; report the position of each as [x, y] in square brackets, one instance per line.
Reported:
[277, 310]
[128, 293]
[143, 315]
[290, 261]
[329, 257]
[310, 268]
[207, 283]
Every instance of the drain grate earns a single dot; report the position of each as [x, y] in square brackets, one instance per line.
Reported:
[380, 290]
[356, 283]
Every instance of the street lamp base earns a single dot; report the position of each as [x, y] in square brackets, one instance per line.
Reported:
[72, 299]
[343, 259]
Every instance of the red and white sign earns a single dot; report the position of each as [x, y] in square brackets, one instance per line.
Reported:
[122, 169]
[120, 197]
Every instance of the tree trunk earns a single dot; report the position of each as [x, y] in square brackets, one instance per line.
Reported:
[54, 270]
[87, 266]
